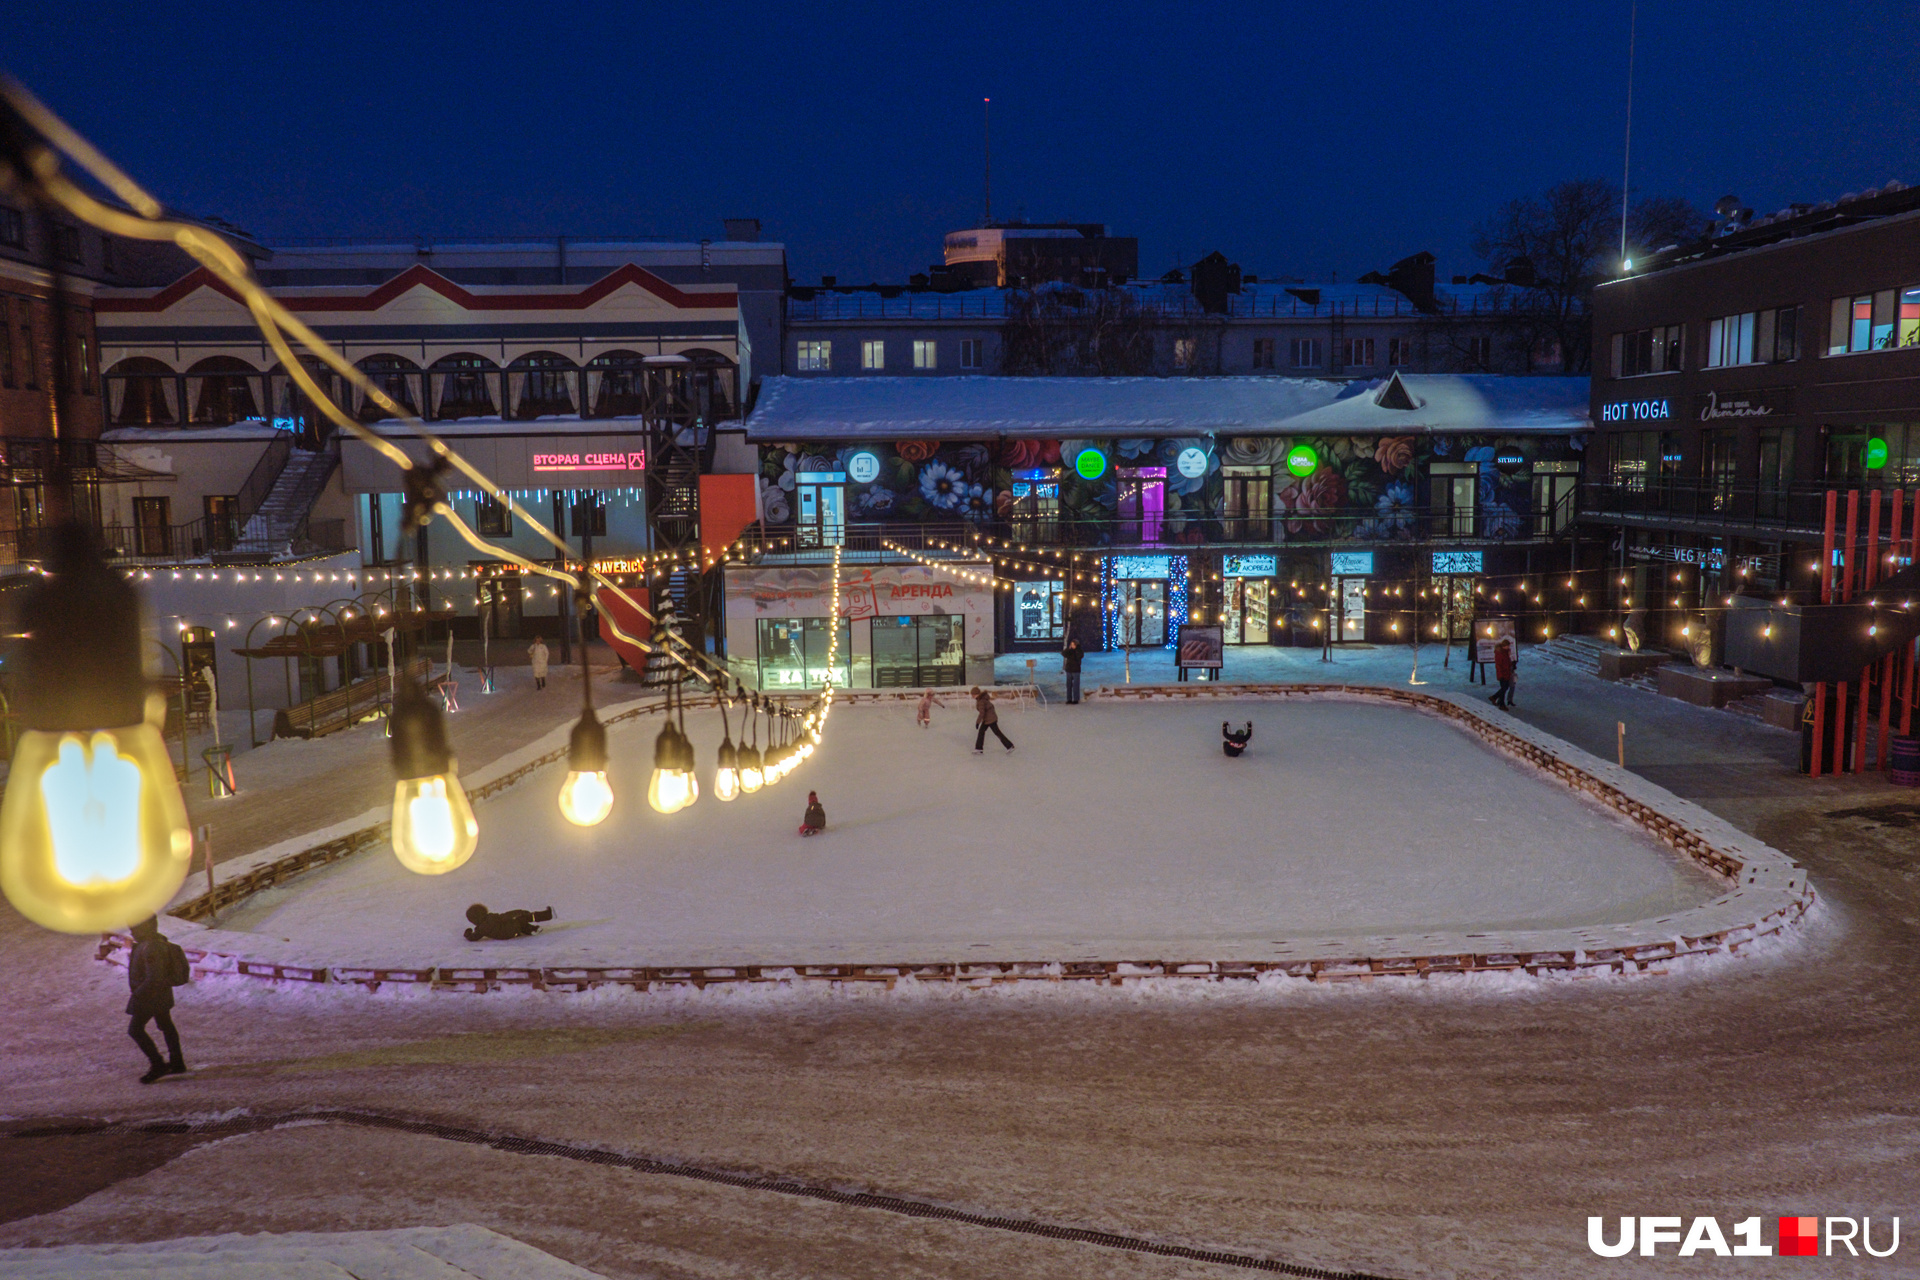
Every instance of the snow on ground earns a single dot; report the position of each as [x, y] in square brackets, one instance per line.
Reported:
[1115, 830]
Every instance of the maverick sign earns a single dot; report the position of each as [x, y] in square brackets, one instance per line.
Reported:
[1763, 402]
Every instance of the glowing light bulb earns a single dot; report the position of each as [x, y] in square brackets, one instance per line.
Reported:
[671, 787]
[726, 778]
[586, 798]
[433, 826]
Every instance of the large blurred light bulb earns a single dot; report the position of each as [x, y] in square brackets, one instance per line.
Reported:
[93, 833]
[586, 797]
[433, 829]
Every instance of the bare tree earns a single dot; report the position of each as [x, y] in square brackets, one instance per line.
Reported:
[1557, 245]
[1064, 331]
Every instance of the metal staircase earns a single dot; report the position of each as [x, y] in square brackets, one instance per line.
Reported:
[281, 518]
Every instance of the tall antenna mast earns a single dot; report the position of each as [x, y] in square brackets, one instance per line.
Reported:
[1626, 162]
[986, 125]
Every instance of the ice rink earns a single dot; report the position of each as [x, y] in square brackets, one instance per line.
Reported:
[1116, 830]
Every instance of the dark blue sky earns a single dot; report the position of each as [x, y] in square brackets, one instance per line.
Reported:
[1300, 139]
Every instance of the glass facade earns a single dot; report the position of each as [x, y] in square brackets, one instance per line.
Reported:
[928, 651]
[793, 653]
[1039, 610]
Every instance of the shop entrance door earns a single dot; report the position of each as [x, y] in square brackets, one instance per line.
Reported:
[919, 652]
[1248, 619]
[498, 599]
[1353, 609]
[1143, 613]
[1142, 509]
[1455, 593]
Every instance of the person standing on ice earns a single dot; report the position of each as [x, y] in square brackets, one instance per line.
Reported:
[1503, 671]
[538, 652]
[1070, 663]
[155, 968]
[985, 718]
[923, 713]
[814, 820]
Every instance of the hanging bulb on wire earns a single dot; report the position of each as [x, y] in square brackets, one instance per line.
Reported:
[433, 828]
[93, 832]
[752, 774]
[726, 775]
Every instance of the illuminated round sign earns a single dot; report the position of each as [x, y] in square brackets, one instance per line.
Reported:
[1876, 454]
[1508, 461]
[863, 468]
[1090, 464]
[1302, 461]
[1192, 462]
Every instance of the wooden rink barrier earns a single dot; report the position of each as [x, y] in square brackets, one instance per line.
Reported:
[1767, 894]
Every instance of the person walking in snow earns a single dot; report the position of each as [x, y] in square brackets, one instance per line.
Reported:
[1070, 663]
[814, 820]
[1503, 671]
[1234, 742]
[155, 968]
[923, 713]
[985, 718]
[503, 926]
[538, 652]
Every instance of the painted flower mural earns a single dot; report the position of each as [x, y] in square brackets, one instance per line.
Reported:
[917, 450]
[1308, 505]
[942, 487]
[1393, 454]
[1022, 455]
[1255, 451]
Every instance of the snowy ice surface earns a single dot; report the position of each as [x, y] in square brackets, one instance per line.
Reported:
[413, 1253]
[1114, 831]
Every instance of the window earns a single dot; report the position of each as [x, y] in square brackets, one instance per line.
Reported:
[925, 353]
[1247, 503]
[919, 652]
[972, 353]
[1039, 610]
[1183, 353]
[151, 528]
[814, 357]
[1730, 340]
[13, 228]
[494, 518]
[1263, 353]
[1356, 351]
[1455, 485]
[821, 497]
[1036, 510]
[1480, 350]
[1776, 471]
[66, 242]
[1553, 489]
[1756, 337]
[223, 521]
[1304, 353]
[589, 515]
[873, 355]
[1399, 351]
[1644, 351]
[793, 652]
[29, 353]
[462, 386]
[1863, 322]
[1718, 452]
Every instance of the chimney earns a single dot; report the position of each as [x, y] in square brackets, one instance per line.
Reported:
[741, 228]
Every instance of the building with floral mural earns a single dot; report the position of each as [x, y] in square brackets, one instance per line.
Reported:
[1287, 510]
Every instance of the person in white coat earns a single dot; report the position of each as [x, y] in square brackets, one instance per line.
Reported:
[538, 652]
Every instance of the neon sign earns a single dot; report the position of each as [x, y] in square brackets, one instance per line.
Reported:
[634, 461]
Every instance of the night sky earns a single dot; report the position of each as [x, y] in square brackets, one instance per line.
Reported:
[1299, 139]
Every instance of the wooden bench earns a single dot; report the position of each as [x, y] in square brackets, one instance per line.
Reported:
[343, 707]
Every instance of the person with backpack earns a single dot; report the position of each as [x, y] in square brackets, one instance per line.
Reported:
[156, 967]
[985, 718]
[1070, 663]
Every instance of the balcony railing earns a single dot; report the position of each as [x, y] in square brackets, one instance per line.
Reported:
[1743, 505]
[196, 540]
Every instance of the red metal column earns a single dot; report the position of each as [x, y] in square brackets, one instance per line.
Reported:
[1826, 597]
[1869, 565]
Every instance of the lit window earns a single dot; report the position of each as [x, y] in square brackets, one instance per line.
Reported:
[1863, 322]
[814, 357]
[923, 353]
[1183, 353]
[873, 355]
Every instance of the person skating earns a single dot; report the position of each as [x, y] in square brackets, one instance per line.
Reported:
[923, 713]
[1503, 668]
[538, 652]
[503, 926]
[985, 718]
[815, 819]
[1233, 741]
[156, 967]
[1070, 663]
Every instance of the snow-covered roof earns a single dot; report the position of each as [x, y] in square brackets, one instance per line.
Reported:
[1262, 299]
[799, 409]
[253, 429]
[1415, 404]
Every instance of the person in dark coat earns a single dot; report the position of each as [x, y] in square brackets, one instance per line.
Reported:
[1070, 663]
[150, 974]
[1503, 665]
[1233, 741]
[815, 819]
[985, 718]
[500, 926]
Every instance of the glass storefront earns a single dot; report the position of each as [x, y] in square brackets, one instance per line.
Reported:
[1249, 619]
[1143, 613]
[919, 652]
[1040, 610]
[793, 653]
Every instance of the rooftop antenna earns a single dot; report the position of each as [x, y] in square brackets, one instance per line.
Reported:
[1626, 161]
[986, 128]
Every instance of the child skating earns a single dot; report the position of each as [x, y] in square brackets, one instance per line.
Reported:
[923, 713]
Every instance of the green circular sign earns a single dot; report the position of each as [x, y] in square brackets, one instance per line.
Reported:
[1302, 461]
[1091, 464]
[1876, 454]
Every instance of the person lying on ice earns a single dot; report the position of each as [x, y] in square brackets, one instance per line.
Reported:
[502, 925]
[815, 819]
[1234, 743]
